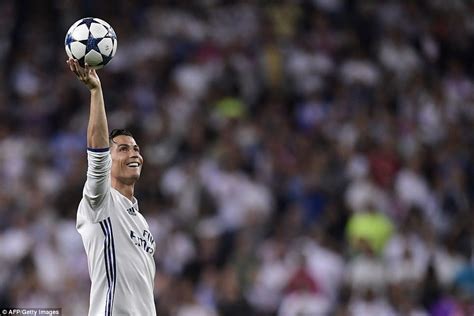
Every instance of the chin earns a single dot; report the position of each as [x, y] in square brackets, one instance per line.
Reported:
[135, 177]
[131, 178]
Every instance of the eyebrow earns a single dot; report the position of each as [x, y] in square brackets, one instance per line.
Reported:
[126, 145]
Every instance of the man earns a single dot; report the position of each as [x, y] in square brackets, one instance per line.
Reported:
[116, 237]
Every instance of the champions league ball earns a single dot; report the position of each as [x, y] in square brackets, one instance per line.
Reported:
[91, 41]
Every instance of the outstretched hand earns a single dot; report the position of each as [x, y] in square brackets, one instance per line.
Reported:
[87, 74]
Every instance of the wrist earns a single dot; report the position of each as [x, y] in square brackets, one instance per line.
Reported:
[95, 89]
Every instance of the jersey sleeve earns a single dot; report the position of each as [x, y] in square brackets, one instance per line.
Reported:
[97, 187]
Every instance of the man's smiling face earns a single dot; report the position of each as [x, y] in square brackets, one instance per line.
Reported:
[126, 159]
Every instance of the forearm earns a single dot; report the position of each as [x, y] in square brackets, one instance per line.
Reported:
[97, 130]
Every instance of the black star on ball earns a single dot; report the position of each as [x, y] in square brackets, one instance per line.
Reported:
[92, 44]
[87, 21]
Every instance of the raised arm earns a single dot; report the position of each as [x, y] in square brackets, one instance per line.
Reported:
[97, 130]
[99, 162]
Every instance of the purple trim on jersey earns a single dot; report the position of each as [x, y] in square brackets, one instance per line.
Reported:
[98, 150]
[107, 270]
[113, 262]
[110, 266]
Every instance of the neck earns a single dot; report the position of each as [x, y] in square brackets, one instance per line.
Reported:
[126, 190]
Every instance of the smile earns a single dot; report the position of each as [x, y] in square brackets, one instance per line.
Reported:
[133, 165]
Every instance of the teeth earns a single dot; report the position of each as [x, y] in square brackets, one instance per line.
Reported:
[133, 164]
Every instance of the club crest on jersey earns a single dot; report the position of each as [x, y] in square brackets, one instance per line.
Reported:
[132, 211]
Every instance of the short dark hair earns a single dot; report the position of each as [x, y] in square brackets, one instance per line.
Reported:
[117, 132]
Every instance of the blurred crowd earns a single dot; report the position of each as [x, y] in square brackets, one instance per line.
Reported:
[302, 157]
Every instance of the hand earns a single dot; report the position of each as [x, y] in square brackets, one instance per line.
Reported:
[87, 75]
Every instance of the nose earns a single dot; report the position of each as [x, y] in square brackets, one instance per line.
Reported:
[135, 155]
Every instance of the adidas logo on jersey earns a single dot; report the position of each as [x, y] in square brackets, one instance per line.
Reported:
[132, 211]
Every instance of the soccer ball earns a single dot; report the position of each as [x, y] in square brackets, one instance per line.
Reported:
[92, 41]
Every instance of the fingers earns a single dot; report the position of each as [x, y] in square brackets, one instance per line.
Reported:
[88, 69]
[85, 74]
[70, 63]
[81, 73]
[74, 66]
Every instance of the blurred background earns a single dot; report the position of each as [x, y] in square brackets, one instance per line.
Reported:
[302, 157]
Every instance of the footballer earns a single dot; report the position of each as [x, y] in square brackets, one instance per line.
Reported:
[116, 237]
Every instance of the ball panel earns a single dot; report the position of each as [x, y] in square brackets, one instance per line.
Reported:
[114, 49]
[112, 33]
[68, 52]
[73, 27]
[93, 58]
[78, 50]
[98, 30]
[106, 46]
[80, 33]
[107, 25]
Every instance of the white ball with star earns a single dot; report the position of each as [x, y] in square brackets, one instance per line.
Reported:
[92, 41]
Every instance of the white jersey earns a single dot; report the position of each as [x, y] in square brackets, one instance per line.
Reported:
[118, 244]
